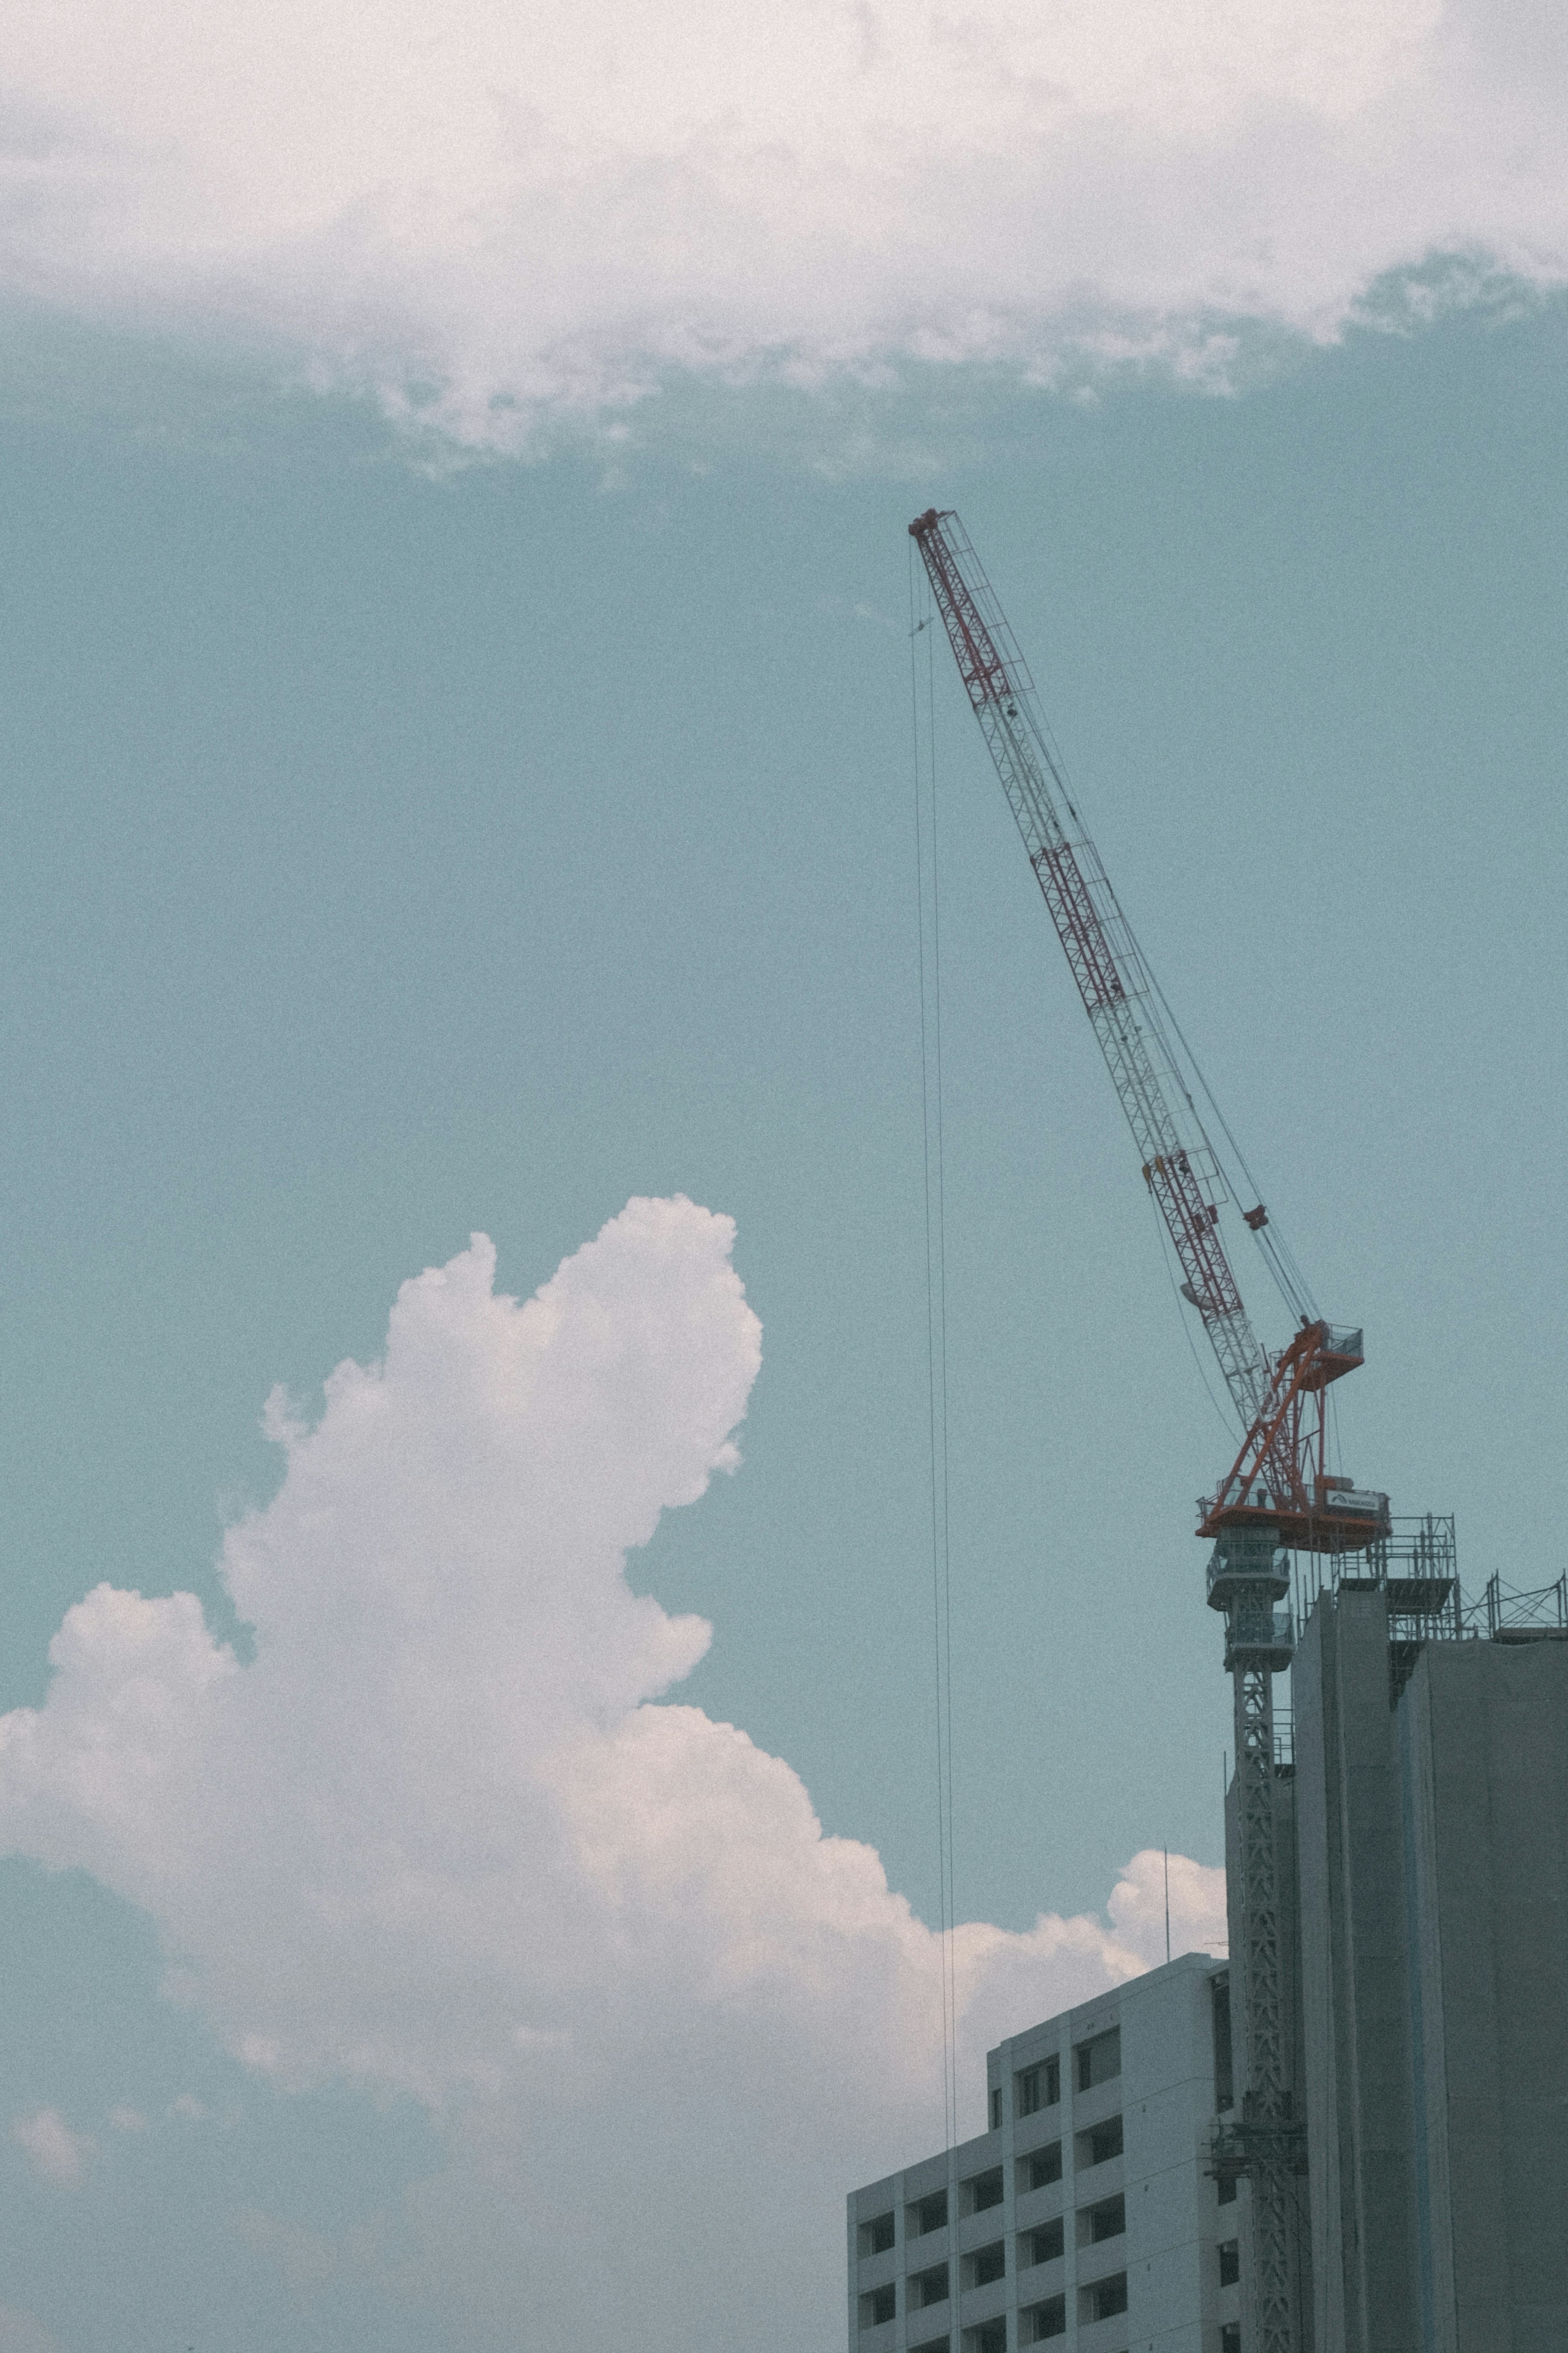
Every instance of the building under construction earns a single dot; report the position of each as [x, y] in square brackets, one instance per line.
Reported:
[1389, 2118]
[1423, 1820]
[1421, 1842]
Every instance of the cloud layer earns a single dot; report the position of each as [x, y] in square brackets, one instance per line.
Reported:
[444, 1834]
[52, 2148]
[486, 212]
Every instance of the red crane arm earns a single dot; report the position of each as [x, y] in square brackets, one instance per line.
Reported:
[1178, 1166]
[1280, 1469]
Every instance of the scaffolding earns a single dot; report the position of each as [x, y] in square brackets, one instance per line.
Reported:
[1415, 1566]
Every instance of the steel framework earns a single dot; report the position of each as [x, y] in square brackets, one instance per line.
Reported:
[1278, 1495]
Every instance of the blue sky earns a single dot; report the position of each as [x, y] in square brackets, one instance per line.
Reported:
[412, 831]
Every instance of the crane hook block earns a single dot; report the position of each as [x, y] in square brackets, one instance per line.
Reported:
[1257, 1219]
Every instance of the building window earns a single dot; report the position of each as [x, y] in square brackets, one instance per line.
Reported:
[1104, 2299]
[929, 2214]
[877, 2237]
[1230, 2262]
[1225, 2191]
[1043, 2320]
[1099, 2059]
[1045, 2166]
[1230, 2338]
[995, 2107]
[1223, 2065]
[1038, 2087]
[984, 2191]
[991, 2337]
[988, 2264]
[877, 2307]
[929, 2288]
[1106, 2221]
[1043, 2245]
[1099, 2144]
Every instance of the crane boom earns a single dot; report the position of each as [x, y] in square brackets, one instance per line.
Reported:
[1279, 1476]
[1180, 1168]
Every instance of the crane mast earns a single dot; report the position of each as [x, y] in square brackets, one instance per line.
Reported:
[1278, 1491]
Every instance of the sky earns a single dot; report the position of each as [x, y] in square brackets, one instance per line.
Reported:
[467, 1802]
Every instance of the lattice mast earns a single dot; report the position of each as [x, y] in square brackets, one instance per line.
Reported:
[1278, 1491]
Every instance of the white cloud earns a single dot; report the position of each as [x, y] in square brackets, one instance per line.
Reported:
[53, 2149]
[484, 210]
[445, 1835]
[127, 2120]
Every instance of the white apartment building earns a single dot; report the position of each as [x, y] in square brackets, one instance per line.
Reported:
[1084, 2217]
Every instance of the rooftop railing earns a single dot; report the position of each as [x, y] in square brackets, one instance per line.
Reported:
[1415, 1566]
[1512, 1614]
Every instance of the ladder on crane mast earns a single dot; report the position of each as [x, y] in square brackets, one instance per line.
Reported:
[1278, 1495]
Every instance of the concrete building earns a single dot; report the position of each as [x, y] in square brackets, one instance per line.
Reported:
[1421, 1819]
[1430, 1797]
[1085, 2217]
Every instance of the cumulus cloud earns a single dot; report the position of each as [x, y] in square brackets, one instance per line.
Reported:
[445, 1833]
[52, 2148]
[485, 211]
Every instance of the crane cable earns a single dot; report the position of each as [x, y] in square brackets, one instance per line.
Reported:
[936, 1332]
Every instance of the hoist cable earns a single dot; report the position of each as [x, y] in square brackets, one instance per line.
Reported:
[930, 976]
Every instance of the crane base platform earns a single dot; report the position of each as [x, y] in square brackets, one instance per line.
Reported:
[1301, 1531]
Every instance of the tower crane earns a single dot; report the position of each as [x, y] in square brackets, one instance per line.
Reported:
[1279, 1493]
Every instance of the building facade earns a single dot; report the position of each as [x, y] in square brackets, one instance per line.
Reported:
[1085, 2217]
[1430, 1802]
[1422, 1848]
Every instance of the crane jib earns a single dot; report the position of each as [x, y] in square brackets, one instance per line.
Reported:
[1175, 1188]
[1178, 1162]
[1107, 985]
[1077, 926]
[980, 663]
